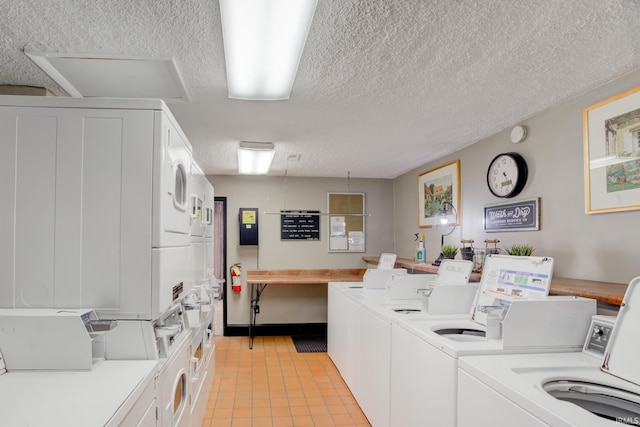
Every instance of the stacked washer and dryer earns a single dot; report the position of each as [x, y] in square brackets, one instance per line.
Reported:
[104, 208]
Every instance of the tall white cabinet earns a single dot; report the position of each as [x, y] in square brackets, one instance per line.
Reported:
[81, 216]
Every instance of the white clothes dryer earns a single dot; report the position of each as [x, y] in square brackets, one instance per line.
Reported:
[171, 186]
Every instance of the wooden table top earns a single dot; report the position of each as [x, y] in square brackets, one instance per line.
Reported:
[304, 277]
[606, 292]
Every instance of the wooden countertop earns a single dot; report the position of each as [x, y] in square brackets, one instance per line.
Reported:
[606, 292]
[304, 277]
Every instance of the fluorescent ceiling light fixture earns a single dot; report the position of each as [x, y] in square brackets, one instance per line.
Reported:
[263, 43]
[254, 158]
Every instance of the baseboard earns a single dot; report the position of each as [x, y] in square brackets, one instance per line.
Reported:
[277, 329]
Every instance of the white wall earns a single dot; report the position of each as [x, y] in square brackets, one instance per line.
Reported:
[295, 304]
[586, 246]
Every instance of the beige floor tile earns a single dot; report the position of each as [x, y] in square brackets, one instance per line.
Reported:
[274, 386]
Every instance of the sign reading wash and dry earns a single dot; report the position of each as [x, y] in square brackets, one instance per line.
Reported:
[513, 216]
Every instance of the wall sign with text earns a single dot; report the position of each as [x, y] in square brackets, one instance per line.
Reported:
[522, 215]
[300, 225]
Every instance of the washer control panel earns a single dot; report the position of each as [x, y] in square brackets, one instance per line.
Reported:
[599, 334]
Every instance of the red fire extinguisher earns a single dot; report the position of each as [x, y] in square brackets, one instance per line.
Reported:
[236, 282]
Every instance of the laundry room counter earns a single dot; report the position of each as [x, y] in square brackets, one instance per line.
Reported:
[304, 277]
[604, 292]
[104, 396]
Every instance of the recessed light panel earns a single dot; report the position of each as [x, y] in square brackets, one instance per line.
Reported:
[88, 75]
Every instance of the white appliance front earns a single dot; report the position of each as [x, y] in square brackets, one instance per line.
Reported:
[172, 277]
[202, 368]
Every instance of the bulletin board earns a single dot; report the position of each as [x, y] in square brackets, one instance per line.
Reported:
[346, 222]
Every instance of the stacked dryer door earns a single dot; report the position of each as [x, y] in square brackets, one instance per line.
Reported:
[172, 168]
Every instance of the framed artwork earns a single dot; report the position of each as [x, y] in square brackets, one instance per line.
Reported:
[612, 153]
[436, 187]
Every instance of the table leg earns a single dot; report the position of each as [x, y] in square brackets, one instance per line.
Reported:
[254, 309]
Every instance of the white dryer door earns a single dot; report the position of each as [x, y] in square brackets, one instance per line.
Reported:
[171, 216]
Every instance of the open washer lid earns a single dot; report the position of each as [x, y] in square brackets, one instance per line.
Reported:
[620, 358]
[507, 277]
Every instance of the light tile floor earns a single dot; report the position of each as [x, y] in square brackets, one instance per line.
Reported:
[273, 385]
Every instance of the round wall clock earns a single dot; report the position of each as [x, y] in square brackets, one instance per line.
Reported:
[507, 175]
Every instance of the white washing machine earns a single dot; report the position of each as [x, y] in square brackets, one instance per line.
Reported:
[55, 357]
[174, 340]
[174, 385]
[198, 313]
[564, 390]
[425, 352]
[364, 333]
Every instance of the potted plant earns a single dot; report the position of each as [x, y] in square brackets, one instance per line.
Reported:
[449, 251]
[520, 250]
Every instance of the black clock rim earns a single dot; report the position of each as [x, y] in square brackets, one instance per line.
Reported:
[523, 173]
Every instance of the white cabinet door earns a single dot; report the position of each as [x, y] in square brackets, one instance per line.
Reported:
[117, 163]
[29, 142]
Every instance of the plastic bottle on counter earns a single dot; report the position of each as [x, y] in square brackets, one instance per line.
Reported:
[421, 252]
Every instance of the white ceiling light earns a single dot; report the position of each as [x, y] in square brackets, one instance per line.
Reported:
[254, 158]
[263, 43]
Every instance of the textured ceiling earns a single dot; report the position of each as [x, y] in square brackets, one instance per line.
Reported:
[382, 87]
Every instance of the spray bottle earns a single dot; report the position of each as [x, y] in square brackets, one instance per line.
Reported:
[421, 252]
